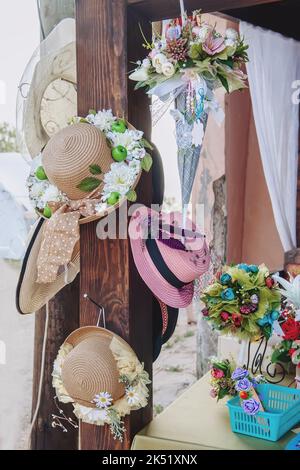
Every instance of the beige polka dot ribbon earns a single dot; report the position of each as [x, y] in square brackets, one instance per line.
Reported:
[60, 234]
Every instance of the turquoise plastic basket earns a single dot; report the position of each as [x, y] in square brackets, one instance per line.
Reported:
[282, 413]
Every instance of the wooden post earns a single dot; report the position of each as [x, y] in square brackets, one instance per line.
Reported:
[63, 310]
[107, 271]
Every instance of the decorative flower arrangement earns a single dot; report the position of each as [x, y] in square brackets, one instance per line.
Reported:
[243, 300]
[288, 350]
[227, 380]
[103, 409]
[191, 55]
[41, 191]
[129, 150]
[185, 66]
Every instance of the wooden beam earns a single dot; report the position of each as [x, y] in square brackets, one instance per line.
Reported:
[107, 271]
[156, 10]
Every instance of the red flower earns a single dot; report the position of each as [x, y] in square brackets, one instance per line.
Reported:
[205, 312]
[269, 282]
[224, 315]
[237, 319]
[244, 395]
[291, 329]
[291, 351]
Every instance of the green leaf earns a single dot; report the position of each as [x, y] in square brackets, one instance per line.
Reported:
[228, 62]
[83, 120]
[88, 184]
[95, 169]
[92, 111]
[131, 195]
[146, 163]
[224, 82]
[145, 143]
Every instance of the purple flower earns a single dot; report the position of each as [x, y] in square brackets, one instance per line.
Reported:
[243, 385]
[251, 406]
[239, 373]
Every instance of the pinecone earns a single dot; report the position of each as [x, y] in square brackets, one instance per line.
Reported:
[177, 49]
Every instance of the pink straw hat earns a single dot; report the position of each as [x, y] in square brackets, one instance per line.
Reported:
[171, 258]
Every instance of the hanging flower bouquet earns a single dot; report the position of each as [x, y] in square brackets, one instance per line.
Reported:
[187, 64]
[244, 300]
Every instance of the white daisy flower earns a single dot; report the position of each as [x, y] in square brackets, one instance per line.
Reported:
[100, 207]
[129, 139]
[51, 194]
[102, 120]
[119, 179]
[132, 396]
[103, 400]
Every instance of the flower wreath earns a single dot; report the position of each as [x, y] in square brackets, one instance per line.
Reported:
[131, 374]
[244, 300]
[128, 145]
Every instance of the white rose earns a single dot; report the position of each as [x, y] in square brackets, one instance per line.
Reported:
[139, 75]
[231, 34]
[158, 60]
[168, 69]
[230, 43]
[202, 31]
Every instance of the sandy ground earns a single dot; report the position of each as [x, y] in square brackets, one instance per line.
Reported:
[174, 370]
[16, 332]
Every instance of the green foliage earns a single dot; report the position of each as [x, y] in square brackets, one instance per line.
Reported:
[131, 195]
[8, 141]
[95, 170]
[88, 184]
[146, 162]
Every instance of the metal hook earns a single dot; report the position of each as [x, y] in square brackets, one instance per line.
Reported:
[101, 310]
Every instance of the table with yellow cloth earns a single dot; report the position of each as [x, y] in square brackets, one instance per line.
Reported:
[196, 421]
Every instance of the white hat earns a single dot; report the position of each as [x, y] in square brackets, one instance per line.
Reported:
[52, 97]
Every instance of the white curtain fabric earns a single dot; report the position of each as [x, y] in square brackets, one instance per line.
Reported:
[273, 71]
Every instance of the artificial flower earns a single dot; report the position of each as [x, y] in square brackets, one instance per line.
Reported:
[239, 373]
[291, 289]
[217, 373]
[237, 319]
[243, 385]
[291, 329]
[254, 299]
[168, 69]
[120, 178]
[132, 396]
[103, 400]
[228, 294]
[213, 45]
[128, 139]
[146, 64]
[230, 43]
[251, 406]
[231, 33]
[202, 31]
[103, 120]
[158, 60]
[225, 316]
[225, 278]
